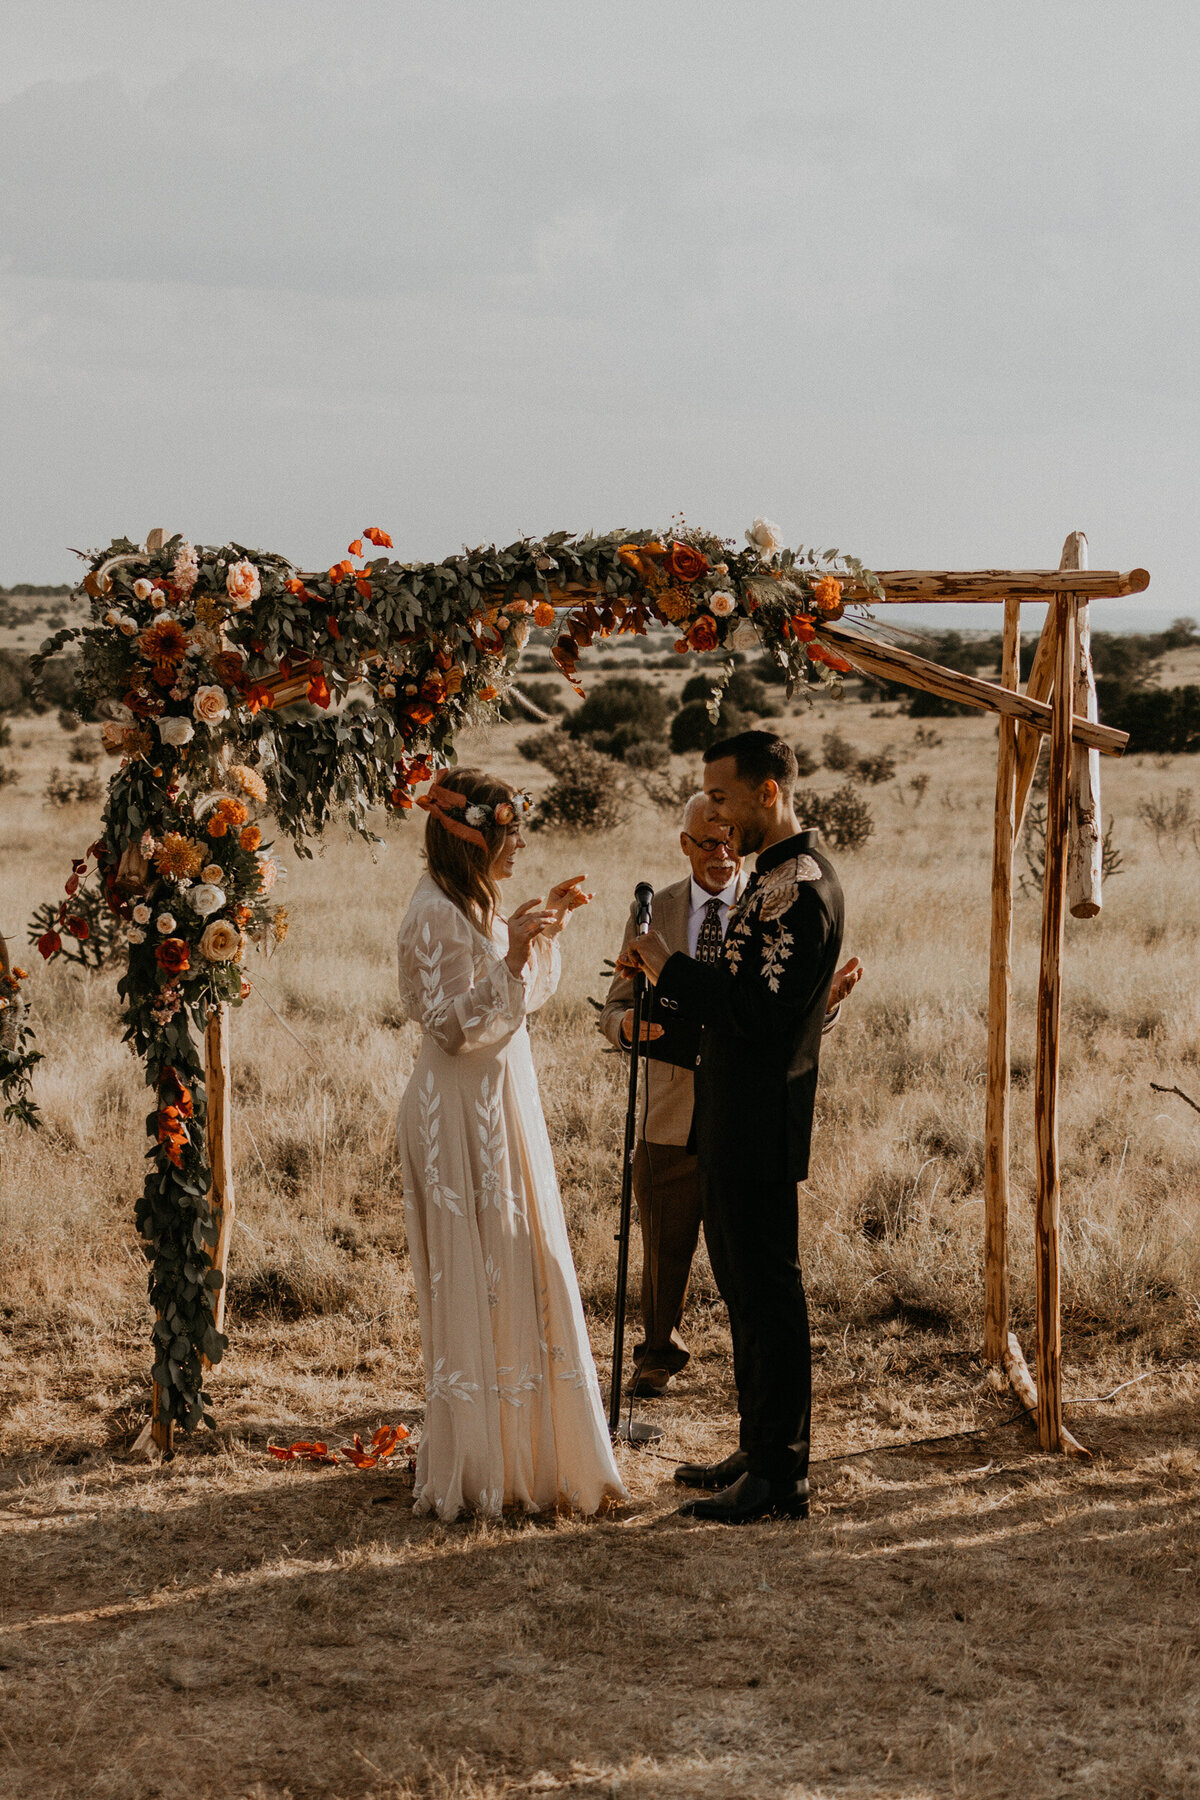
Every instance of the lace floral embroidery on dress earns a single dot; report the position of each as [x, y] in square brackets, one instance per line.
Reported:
[431, 1106]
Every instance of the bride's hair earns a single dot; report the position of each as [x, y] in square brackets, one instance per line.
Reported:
[463, 870]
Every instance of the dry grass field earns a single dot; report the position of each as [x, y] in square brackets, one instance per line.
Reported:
[964, 1618]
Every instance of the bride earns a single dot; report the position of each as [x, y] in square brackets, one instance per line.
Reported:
[512, 1411]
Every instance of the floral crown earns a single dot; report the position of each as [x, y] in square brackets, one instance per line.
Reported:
[475, 813]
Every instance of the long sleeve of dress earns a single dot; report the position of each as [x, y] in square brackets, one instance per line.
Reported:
[455, 985]
[542, 972]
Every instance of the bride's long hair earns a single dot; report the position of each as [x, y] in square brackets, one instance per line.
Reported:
[463, 870]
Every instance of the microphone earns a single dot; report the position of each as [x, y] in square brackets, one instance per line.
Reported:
[643, 899]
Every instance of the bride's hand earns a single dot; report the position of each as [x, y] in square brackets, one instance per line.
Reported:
[528, 922]
[564, 898]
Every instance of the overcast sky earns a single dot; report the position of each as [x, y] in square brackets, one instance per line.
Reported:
[912, 277]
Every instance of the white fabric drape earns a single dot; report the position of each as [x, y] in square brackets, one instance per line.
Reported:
[513, 1415]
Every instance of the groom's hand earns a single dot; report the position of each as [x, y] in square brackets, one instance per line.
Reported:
[648, 1033]
[648, 953]
[844, 982]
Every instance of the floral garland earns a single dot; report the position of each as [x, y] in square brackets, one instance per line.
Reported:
[190, 657]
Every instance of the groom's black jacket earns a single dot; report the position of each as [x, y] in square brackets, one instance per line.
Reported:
[760, 1011]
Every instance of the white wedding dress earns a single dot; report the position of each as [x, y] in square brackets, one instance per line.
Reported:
[513, 1415]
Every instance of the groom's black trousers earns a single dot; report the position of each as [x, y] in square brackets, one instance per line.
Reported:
[750, 1228]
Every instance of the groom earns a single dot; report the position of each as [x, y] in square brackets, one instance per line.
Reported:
[759, 1011]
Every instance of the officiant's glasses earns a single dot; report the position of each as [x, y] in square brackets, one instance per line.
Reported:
[709, 845]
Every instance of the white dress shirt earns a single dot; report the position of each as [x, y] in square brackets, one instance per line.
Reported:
[700, 899]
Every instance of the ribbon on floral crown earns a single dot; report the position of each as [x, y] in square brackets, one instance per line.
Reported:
[435, 802]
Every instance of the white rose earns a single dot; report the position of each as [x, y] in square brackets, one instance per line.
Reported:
[204, 898]
[135, 936]
[722, 604]
[127, 625]
[475, 815]
[141, 913]
[765, 538]
[175, 729]
[187, 569]
[214, 873]
[209, 705]
[143, 589]
[165, 923]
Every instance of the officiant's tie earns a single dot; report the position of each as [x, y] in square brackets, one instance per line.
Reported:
[708, 944]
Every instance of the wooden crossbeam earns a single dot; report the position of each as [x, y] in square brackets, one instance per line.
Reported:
[889, 663]
[934, 586]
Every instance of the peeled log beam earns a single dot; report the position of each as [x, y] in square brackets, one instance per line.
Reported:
[936, 585]
[995, 1134]
[1022, 1384]
[1085, 841]
[892, 664]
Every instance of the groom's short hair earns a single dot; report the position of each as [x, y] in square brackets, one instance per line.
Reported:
[758, 756]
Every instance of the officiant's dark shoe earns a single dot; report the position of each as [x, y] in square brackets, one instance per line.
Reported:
[712, 1476]
[751, 1497]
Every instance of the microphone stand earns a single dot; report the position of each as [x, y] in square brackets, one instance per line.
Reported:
[634, 1431]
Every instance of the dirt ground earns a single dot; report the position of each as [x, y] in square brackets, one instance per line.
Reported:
[969, 1617]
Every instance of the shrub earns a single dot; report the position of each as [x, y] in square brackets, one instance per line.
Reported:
[1165, 721]
[648, 754]
[742, 694]
[590, 791]
[84, 750]
[1034, 846]
[1168, 818]
[619, 712]
[546, 696]
[806, 762]
[68, 720]
[875, 769]
[843, 818]
[671, 792]
[932, 706]
[71, 790]
[692, 729]
[840, 755]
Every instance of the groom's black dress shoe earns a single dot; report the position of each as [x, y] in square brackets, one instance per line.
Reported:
[713, 1476]
[751, 1497]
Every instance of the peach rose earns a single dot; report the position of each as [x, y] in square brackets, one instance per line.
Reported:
[221, 942]
[210, 705]
[242, 584]
[722, 604]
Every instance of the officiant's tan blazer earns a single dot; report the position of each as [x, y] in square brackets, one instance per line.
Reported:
[669, 1090]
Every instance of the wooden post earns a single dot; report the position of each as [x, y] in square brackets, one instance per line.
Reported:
[1049, 1010]
[218, 1127]
[995, 1164]
[1085, 842]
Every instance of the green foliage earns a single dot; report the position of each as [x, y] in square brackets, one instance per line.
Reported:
[694, 728]
[742, 693]
[590, 791]
[71, 790]
[843, 818]
[1164, 721]
[618, 713]
[876, 769]
[838, 753]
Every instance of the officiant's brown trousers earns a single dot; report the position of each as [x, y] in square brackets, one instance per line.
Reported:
[666, 1186]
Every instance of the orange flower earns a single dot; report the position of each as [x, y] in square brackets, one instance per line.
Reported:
[178, 858]
[418, 713]
[688, 564]
[630, 555]
[172, 1133]
[259, 696]
[680, 645]
[295, 586]
[703, 634]
[249, 781]
[433, 689]
[173, 955]
[227, 666]
[165, 642]
[818, 653]
[488, 692]
[225, 815]
[356, 548]
[674, 606]
[454, 681]
[250, 837]
[803, 628]
[828, 593]
[318, 690]
[377, 537]
[544, 614]
[341, 572]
